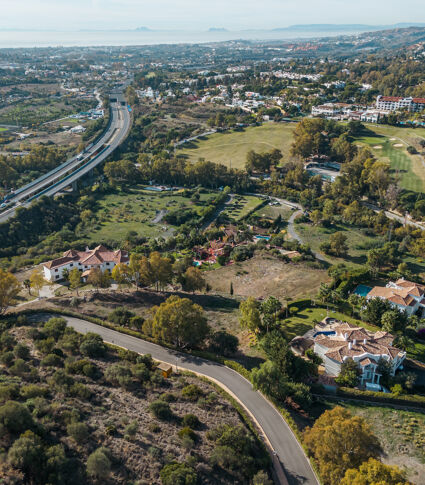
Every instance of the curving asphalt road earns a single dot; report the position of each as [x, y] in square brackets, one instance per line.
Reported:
[288, 451]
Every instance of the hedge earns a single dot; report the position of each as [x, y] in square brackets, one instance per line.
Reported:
[415, 400]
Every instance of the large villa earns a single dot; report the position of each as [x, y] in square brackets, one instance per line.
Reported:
[402, 294]
[336, 341]
[85, 261]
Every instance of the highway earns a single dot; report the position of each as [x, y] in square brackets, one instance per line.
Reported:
[279, 436]
[74, 168]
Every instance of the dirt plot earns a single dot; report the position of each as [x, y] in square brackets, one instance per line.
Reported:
[265, 275]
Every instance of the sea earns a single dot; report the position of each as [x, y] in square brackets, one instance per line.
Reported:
[28, 39]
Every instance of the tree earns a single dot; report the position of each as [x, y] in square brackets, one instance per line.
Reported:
[161, 270]
[261, 478]
[180, 322]
[224, 343]
[98, 464]
[374, 310]
[9, 290]
[99, 279]
[339, 441]
[250, 317]
[349, 375]
[75, 279]
[193, 279]
[135, 268]
[338, 244]
[37, 280]
[121, 274]
[271, 308]
[374, 472]
[178, 474]
[394, 320]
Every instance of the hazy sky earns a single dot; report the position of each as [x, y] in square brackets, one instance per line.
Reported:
[202, 14]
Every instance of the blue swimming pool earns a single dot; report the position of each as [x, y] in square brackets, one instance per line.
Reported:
[362, 290]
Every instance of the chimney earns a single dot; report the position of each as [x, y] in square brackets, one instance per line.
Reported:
[349, 345]
[365, 341]
[345, 336]
[354, 341]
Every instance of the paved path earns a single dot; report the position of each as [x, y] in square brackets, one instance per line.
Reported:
[277, 432]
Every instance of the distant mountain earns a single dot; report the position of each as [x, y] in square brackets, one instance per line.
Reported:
[217, 29]
[143, 29]
[345, 27]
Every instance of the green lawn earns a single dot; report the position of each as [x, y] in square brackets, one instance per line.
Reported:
[241, 206]
[271, 212]
[3, 129]
[136, 210]
[230, 148]
[384, 139]
[303, 321]
[358, 243]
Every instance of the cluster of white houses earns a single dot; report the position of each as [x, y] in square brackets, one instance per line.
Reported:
[395, 103]
[336, 341]
[85, 261]
[383, 107]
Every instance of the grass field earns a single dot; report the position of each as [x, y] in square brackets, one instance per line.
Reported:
[265, 275]
[383, 140]
[358, 245]
[138, 210]
[230, 148]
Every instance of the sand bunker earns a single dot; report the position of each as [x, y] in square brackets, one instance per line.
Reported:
[378, 147]
[393, 139]
[398, 145]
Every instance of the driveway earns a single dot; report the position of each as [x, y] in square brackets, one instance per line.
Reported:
[278, 434]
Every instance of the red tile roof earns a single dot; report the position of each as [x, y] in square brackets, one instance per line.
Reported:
[89, 257]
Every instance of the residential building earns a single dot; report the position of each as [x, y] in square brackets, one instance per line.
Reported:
[85, 261]
[395, 103]
[336, 341]
[402, 294]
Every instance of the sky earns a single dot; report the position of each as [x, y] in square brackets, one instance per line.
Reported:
[202, 14]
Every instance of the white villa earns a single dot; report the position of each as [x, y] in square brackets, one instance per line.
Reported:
[402, 294]
[336, 341]
[85, 261]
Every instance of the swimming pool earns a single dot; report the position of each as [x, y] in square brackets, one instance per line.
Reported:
[362, 290]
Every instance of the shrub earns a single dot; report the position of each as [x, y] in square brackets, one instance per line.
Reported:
[52, 360]
[79, 432]
[19, 368]
[93, 345]
[7, 358]
[8, 392]
[178, 474]
[98, 464]
[192, 421]
[119, 375]
[33, 390]
[141, 372]
[80, 390]
[21, 351]
[55, 327]
[192, 392]
[131, 429]
[121, 316]
[15, 417]
[82, 367]
[187, 432]
[161, 410]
